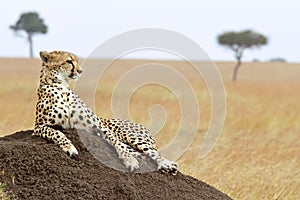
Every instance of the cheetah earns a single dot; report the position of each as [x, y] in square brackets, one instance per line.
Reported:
[58, 105]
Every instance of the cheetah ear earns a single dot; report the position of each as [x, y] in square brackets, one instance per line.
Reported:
[44, 56]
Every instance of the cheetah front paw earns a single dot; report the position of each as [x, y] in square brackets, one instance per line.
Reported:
[167, 166]
[131, 163]
[70, 150]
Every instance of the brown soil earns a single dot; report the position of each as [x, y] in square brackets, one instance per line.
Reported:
[33, 168]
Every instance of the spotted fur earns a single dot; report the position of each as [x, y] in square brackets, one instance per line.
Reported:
[59, 105]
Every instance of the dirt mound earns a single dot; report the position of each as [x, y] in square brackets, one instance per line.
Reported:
[33, 168]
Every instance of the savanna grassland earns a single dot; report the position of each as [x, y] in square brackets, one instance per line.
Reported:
[257, 153]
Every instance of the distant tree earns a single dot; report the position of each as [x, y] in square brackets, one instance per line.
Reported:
[32, 24]
[281, 60]
[238, 42]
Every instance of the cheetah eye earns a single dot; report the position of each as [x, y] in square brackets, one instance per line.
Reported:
[70, 62]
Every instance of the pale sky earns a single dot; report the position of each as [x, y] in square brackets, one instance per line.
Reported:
[81, 26]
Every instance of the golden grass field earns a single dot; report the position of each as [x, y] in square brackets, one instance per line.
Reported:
[257, 154]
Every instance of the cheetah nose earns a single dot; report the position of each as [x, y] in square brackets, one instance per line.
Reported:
[79, 71]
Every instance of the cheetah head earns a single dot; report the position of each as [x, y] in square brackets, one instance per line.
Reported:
[61, 65]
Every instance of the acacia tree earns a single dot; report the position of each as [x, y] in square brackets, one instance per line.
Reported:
[239, 42]
[31, 24]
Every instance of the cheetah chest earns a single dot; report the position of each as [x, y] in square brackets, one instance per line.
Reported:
[55, 106]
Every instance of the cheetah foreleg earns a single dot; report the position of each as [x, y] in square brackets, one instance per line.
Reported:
[57, 137]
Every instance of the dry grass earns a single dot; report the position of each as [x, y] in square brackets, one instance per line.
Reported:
[3, 196]
[257, 155]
